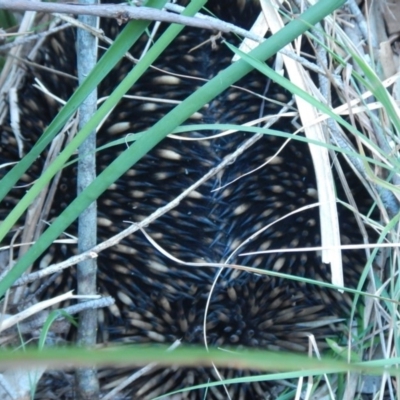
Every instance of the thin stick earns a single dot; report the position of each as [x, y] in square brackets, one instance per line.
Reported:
[87, 383]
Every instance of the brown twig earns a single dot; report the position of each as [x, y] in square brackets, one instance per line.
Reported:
[123, 13]
[31, 38]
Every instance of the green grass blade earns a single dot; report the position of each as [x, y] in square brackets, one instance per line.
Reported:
[53, 316]
[373, 83]
[193, 356]
[251, 129]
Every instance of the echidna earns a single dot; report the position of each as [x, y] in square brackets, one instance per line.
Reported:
[159, 301]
